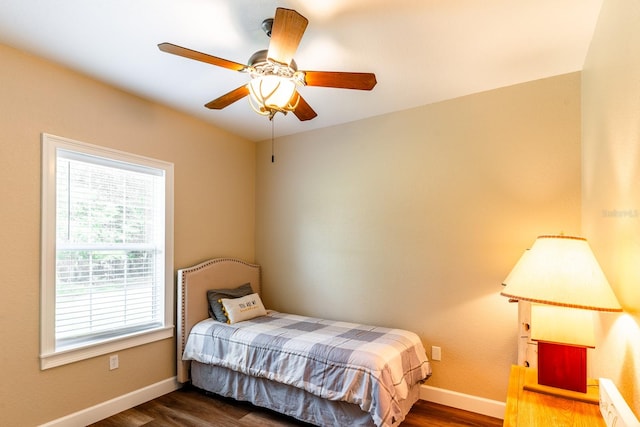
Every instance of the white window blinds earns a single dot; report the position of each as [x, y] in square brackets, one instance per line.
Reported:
[109, 248]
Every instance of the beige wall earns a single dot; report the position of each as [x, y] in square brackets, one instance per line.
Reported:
[413, 219]
[214, 216]
[611, 184]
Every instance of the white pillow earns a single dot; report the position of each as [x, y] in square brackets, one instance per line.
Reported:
[244, 308]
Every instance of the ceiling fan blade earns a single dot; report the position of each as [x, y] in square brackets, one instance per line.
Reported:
[360, 81]
[228, 98]
[303, 110]
[199, 56]
[286, 33]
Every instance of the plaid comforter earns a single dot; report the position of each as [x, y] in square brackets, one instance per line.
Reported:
[369, 366]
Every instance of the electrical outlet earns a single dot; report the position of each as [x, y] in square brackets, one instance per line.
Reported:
[114, 363]
[436, 353]
[613, 407]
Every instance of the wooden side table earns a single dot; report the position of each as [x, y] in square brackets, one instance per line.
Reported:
[531, 408]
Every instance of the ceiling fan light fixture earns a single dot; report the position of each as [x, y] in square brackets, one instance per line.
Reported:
[270, 94]
[272, 87]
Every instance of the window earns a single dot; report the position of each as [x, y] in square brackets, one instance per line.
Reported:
[107, 257]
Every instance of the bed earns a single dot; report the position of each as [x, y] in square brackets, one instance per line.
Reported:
[372, 379]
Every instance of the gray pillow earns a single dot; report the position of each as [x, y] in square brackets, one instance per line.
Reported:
[213, 295]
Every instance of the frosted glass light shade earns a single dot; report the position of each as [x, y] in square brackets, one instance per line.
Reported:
[561, 270]
[272, 92]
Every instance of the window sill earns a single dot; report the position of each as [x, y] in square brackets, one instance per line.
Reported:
[53, 359]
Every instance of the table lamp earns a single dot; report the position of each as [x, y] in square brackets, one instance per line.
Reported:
[560, 276]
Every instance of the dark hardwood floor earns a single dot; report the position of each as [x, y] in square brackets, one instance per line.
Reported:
[191, 407]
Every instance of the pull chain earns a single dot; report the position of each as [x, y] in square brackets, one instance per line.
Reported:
[273, 157]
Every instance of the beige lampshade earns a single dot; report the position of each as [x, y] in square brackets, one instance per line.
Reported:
[561, 270]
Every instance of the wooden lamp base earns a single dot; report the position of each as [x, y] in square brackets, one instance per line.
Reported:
[591, 396]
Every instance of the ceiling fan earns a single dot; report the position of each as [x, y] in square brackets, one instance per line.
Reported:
[274, 74]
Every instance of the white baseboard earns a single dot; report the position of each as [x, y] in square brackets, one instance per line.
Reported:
[467, 402]
[116, 405]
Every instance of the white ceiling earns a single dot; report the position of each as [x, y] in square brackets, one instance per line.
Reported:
[422, 51]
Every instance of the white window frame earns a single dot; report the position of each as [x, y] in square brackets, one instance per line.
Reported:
[49, 356]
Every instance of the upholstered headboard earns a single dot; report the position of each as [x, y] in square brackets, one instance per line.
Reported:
[193, 284]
